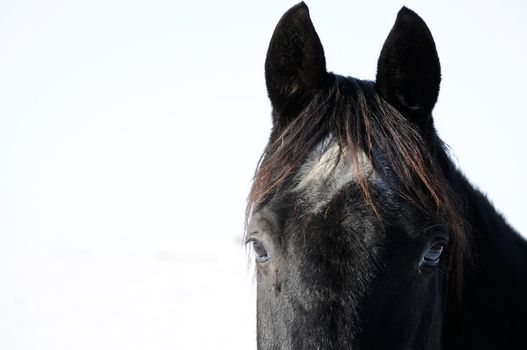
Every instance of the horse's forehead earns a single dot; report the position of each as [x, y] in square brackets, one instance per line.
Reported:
[327, 170]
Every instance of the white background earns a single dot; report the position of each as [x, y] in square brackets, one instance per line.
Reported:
[129, 132]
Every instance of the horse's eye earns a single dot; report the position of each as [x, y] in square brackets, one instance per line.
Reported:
[259, 250]
[433, 254]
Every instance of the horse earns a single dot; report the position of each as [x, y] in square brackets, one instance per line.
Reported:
[365, 233]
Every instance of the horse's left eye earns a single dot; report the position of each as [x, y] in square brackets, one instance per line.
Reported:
[259, 250]
[433, 255]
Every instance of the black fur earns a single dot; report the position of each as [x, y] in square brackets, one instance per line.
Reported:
[295, 66]
[408, 71]
[347, 273]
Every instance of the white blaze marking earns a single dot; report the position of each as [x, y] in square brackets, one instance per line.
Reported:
[327, 170]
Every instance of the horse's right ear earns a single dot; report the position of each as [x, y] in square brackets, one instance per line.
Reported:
[295, 66]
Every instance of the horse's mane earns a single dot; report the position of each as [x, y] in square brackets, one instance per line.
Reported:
[361, 121]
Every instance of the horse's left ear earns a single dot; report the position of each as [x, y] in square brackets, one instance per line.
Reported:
[408, 71]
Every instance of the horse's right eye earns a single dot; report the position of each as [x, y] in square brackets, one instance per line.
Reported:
[259, 250]
[433, 254]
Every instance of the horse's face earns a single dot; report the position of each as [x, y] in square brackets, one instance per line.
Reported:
[331, 274]
[339, 266]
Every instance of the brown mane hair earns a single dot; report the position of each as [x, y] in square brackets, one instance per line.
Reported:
[361, 121]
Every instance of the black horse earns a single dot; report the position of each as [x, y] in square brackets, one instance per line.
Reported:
[366, 235]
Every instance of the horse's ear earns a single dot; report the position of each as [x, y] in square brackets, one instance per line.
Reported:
[295, 66]
[408, 71]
